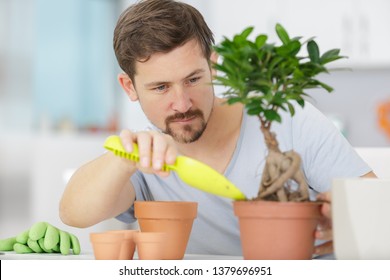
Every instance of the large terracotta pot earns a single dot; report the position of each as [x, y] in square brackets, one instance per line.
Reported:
[173, 217]
[277, 230]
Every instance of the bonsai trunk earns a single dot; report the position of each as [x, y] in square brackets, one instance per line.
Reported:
[279, 172]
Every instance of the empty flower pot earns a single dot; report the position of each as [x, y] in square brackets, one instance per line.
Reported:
[151, 245]
[106, 245]
[173, 217]
[128, 244]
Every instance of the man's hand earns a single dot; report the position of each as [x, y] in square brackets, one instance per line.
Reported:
[155, 149]
[324, 229]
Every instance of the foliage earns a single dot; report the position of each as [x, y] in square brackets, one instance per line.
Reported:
[266, 77]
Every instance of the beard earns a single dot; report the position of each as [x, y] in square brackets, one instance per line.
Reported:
[189, 133]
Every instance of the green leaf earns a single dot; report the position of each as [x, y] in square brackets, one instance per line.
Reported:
[291, 108]
[254, 111]
[301, 102]
[331, 53]
[226, 82]
[314, 51]
[330, 56]
[295, 47]
[247, 31]
[282, 34]
[255, 101]
[233, 100]
[260, 40]
[278, 99]
[325, 86]
[220, 67]
[283, 107]
[272, 115]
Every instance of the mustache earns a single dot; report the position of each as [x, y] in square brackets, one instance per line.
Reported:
[183, 116]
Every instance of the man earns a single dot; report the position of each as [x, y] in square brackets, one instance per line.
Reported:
[165, 50]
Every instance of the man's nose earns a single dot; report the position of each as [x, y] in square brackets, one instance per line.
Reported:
[181, 100]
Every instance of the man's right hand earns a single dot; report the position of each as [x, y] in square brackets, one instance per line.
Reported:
[155, 149]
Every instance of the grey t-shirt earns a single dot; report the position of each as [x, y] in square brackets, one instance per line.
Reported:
[325, 154]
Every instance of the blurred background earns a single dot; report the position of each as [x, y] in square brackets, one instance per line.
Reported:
[59, 98]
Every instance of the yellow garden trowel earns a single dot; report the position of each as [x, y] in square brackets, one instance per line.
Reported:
[191, 171]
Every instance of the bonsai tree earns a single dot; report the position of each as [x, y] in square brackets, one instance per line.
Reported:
[267, 78]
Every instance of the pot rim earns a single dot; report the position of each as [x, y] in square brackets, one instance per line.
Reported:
[166, 209]
[287, 203]
[277, 209]
[166, 202]
[106, 237]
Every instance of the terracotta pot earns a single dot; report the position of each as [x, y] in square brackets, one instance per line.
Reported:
[277, 230]
[173, 217]
[106, 245]
[151, 245]
[128, 243]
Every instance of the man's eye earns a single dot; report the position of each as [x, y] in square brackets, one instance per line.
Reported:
[160, 88]
[193, 80]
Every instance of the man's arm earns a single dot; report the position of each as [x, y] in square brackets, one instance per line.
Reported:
[99, 190]
[369, 175]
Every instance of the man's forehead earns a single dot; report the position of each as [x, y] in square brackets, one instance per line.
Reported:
[180, 63]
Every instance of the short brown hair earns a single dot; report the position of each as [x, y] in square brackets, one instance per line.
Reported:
[158, 26]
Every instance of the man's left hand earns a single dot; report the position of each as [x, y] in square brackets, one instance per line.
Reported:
[324, 229]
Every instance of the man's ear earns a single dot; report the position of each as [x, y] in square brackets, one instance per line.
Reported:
[213, 59]
[128, 86]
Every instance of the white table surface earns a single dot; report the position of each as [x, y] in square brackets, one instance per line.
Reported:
[89, 256]
[11, 255]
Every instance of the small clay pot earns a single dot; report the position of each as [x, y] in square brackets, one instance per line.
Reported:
[106, 245]
[151, 245]
[173, 217]
[128, 244]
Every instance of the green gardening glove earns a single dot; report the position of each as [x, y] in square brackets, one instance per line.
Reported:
[42, 237]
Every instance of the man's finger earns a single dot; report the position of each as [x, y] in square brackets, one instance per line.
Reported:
[127, 139]
[324, 234]
[325, 196]
[323, 249]
[326, 210]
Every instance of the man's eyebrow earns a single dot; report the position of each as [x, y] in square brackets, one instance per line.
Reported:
[157, 83]
[195, 72]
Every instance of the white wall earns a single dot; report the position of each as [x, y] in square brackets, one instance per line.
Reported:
[355, 100]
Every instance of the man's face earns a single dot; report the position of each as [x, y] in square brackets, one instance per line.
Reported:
[175, 91]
